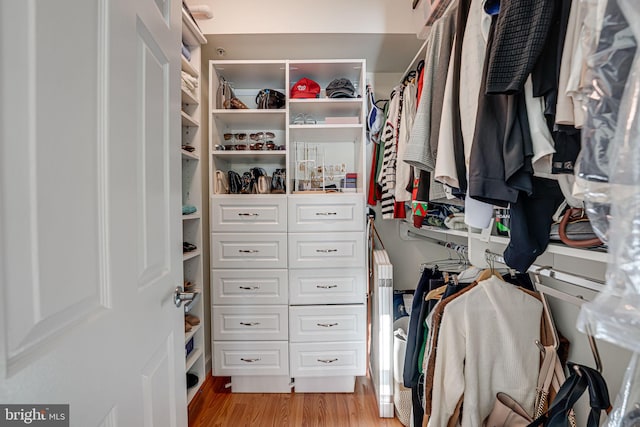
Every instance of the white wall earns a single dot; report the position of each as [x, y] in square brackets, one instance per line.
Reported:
[308, 16]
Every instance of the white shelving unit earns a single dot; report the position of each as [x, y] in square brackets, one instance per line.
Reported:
[288, 278]
[192, 227]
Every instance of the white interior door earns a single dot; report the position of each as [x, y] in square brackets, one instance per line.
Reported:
[90, 249]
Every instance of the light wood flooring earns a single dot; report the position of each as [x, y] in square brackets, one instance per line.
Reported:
[215, 406]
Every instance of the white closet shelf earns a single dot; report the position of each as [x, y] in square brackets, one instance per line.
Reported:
[323, 107]
[191, 34]
[193, 356]
[187, 120]
[253, 75]
[191, 393]
[251, 119]
[191, 216]
[190, 255]
[250, 155]
[189, 156]
[186, 66]
[325, 133]
[192, 332]
[188, 98]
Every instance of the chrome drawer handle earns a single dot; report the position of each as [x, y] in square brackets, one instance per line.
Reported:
[327, 360]
[248, 251]
[249, 323]
[326, 286]
[249, 288]
[248, 214]
[326, 251]
[326, 213]
[327, 325]
[250, 360]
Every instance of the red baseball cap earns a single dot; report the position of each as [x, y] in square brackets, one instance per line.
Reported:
[305, 88]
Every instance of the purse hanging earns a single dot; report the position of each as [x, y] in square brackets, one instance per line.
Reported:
[582, 378]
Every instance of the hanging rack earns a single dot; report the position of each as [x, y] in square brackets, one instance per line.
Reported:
[547, 271]
[415, 59]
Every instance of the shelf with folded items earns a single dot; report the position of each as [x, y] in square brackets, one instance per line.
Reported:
[189, 68]
[191, 217]
[188, 97]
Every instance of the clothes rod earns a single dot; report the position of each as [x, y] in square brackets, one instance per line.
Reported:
[572, 279]
[415, 59]
[449, 245]
[576, 300]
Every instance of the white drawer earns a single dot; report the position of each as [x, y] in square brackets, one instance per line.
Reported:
[262, 213]
[257, 250]
[332, 359]
[254, 322]
[328, 250]
[317, 323]
[250, 358]
[335, 213]
[249, 287]
[327, 286]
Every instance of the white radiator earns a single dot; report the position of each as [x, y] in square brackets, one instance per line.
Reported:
[381, 357]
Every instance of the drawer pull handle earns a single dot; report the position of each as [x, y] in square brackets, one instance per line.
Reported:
[248, 251]
[327, 325]
[249, 323]
[326, 286]
[326, 213]
[249, 288]
[248, 214]
[327, 360]
[249, 360]
[326, 251]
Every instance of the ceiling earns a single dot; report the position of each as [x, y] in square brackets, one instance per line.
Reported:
[385, 53]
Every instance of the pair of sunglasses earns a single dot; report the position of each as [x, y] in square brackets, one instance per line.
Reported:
[262, 135]
[238, 136]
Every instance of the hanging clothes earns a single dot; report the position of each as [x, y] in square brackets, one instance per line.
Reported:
[486, 345]
[387, 175]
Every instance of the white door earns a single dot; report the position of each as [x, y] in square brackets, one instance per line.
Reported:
[90, 250]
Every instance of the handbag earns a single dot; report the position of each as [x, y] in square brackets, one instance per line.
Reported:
[278, 181]
[507, 412]
[582, 378]
[226, 98]
[574, 229]
[264, 185]
[270, 99]
[248, 183]
[235, 182]
[221, 183]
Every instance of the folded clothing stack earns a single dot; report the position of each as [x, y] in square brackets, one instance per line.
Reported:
[189, 83]
[349, 181]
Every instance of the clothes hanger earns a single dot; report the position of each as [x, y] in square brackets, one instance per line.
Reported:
[545, 308]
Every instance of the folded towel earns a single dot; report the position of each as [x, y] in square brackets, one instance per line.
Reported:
[188, 209]
[186, 52]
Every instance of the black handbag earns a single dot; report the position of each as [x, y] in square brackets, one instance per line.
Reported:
[235, 182]
[582, 378]
[270, 99]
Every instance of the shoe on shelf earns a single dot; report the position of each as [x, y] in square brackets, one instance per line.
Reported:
[191, 319]
[187, 326]
[189, 286]
[188, 247]
[192, 380]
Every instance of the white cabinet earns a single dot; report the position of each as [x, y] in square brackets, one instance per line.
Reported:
[288, 279]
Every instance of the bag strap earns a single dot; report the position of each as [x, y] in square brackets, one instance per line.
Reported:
[562, 230]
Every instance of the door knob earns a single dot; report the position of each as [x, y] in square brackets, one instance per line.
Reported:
[180, 296]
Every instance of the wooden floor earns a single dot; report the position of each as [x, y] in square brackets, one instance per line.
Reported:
[215, 406]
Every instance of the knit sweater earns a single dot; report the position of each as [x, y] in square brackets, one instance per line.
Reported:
[486, 345]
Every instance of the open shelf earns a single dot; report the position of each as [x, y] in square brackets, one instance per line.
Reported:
[325, 133]
[187, 120]
[323, 107]
[192, 332]
[250, 156]
[193, 356]
[192, 36]
[186, 66]
[191, 216]
[189, 156]
[190, 255]
[188, 98]
[191, 392]
[252, 119]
